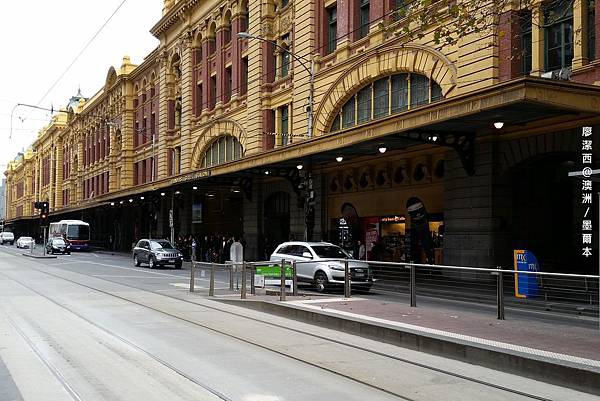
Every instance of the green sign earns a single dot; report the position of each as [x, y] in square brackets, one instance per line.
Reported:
[273, 271]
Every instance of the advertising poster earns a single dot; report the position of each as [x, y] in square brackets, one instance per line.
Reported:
[526, 285]
[197, 212]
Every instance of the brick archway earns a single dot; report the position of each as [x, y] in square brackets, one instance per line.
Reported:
[208, 136]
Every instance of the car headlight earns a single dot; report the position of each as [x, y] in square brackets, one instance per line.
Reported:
[159, 255]
[336, 267]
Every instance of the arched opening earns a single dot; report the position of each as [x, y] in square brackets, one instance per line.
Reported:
[211, 39]
[227, 28]
[546, 212]
[277, 220]
[224, 149]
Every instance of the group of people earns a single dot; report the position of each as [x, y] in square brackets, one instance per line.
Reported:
[217, 248]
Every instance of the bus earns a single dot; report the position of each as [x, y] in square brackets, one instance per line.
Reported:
[77, 232]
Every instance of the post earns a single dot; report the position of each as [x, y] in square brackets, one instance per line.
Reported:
[413, 287]
[252, 284]
[231, 277]
[500, 293]
[172, 218]
[282, 283]
[294, 279]
[243, 280]
[211, 286]
[44, 240]
[347, 291]
[192, 279]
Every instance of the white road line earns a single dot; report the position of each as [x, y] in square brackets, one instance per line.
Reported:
[115, 276]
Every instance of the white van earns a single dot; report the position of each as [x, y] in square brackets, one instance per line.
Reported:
[7, 236]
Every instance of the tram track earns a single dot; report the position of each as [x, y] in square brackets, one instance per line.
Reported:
[239, 315]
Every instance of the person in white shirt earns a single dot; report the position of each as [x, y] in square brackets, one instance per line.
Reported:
[236, 252]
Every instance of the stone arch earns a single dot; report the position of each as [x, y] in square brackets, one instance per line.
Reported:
[111, 78]
[208, 136]
[518, 151]
[419, 59]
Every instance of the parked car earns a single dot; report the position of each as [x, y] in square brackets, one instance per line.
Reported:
[25, 242]
[314, 265]
[58, 245]
[156, 252]
[7, 236]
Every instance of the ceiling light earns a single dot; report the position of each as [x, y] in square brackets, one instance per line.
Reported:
[434, 138]
[382, 149]
[267, 172]
[141, 197]
[177, 192]
[121, 202]
[237, 191]
[194, 188]
[210, 195]
[339, 158]
[112, 203]
[130, 200]
[499, 124]
[299, 166]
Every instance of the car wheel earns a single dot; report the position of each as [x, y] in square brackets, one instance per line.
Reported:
[151, 262]
[321, 281]
[136, 261]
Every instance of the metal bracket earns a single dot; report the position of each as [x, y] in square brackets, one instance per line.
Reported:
[463, 144]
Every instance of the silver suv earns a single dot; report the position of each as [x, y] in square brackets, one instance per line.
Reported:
[314, 264]
[7, 236]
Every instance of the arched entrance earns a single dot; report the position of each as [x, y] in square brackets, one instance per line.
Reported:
[546, 212]
[277, 220]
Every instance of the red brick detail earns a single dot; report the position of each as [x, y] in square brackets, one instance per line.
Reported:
[268, 124]
[510, 49]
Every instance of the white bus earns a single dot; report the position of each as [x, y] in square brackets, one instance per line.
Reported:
[77, 232]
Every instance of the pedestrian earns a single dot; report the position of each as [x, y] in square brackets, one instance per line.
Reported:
[193, 249]
[236, 251]
[361, 250]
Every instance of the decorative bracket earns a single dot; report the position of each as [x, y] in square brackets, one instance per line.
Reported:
[463, 144]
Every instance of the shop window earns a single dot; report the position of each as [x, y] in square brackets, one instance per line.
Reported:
[364, 17]
[558, 35]
[331, 28]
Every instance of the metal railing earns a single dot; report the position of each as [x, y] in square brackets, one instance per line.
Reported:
[545, 290]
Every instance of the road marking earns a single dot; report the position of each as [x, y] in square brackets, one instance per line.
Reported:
[116, 276]
[93, 253]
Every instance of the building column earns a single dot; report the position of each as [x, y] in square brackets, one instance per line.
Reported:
[537, 40]
[580, 33]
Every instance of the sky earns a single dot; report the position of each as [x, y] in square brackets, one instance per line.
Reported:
[40, 39]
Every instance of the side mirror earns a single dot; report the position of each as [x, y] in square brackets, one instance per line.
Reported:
[306, 255]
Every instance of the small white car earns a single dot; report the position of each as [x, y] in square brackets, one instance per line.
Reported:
[314, 264]
[7, 237]
[25, 242]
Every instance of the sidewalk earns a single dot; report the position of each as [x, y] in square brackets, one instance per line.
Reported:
[560, 353]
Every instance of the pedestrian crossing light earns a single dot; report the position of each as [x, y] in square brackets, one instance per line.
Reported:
[44, 211]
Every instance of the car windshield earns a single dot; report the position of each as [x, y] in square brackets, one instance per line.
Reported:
[58, 241]
[26, 238]
[161, 245]
[330, 252]
[79, 232]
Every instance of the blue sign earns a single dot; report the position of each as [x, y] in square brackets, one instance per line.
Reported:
[526, 285]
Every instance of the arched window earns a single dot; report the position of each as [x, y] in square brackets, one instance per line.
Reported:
[386, 96]
[224, 149]
[227, 28]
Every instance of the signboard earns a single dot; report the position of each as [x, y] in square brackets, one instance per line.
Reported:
[171, 218]
[197, 212]
[526, 285]
[271, 275]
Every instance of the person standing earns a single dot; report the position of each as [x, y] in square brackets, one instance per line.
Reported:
[236, 251]
[361, 250]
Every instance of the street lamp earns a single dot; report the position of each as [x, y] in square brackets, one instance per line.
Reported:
[310, 69]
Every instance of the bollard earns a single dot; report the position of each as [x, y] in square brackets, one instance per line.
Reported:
[211, 288]
[243, 280]
[294, 279]
[413, 287]
[231, 277]
[252, 284]
[282, 283]
[192, 279]
[347, 291]
[500, 293]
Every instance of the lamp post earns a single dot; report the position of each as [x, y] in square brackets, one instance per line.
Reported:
[311, 72]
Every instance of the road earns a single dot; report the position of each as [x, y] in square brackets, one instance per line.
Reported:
[91, 327]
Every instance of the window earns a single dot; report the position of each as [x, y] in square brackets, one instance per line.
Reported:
[284, 3]
[174, 160]
[227, 31]
[224, 149]
[244, 18]
[285, 56]
[228, 84]
[387, 95]
[526, 23]
[285, 131]
[591, 30]
[332, 29]
[199, 105]
[559, 36]
[364, 19]
[244, 83]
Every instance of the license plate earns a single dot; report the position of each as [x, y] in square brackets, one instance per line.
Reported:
[172, 261]
[357, 274]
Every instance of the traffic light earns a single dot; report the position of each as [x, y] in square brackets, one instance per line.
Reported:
[44, 211]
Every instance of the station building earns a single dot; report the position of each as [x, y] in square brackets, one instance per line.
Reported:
[209, 134]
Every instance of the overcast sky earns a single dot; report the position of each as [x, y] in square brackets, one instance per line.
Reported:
[41, 38]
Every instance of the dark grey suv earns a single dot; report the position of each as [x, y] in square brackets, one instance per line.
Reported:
[156, 252]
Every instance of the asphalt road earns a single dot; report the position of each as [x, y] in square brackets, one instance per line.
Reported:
[92, 326]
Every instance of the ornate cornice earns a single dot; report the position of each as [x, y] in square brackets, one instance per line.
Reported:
[175, 15]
